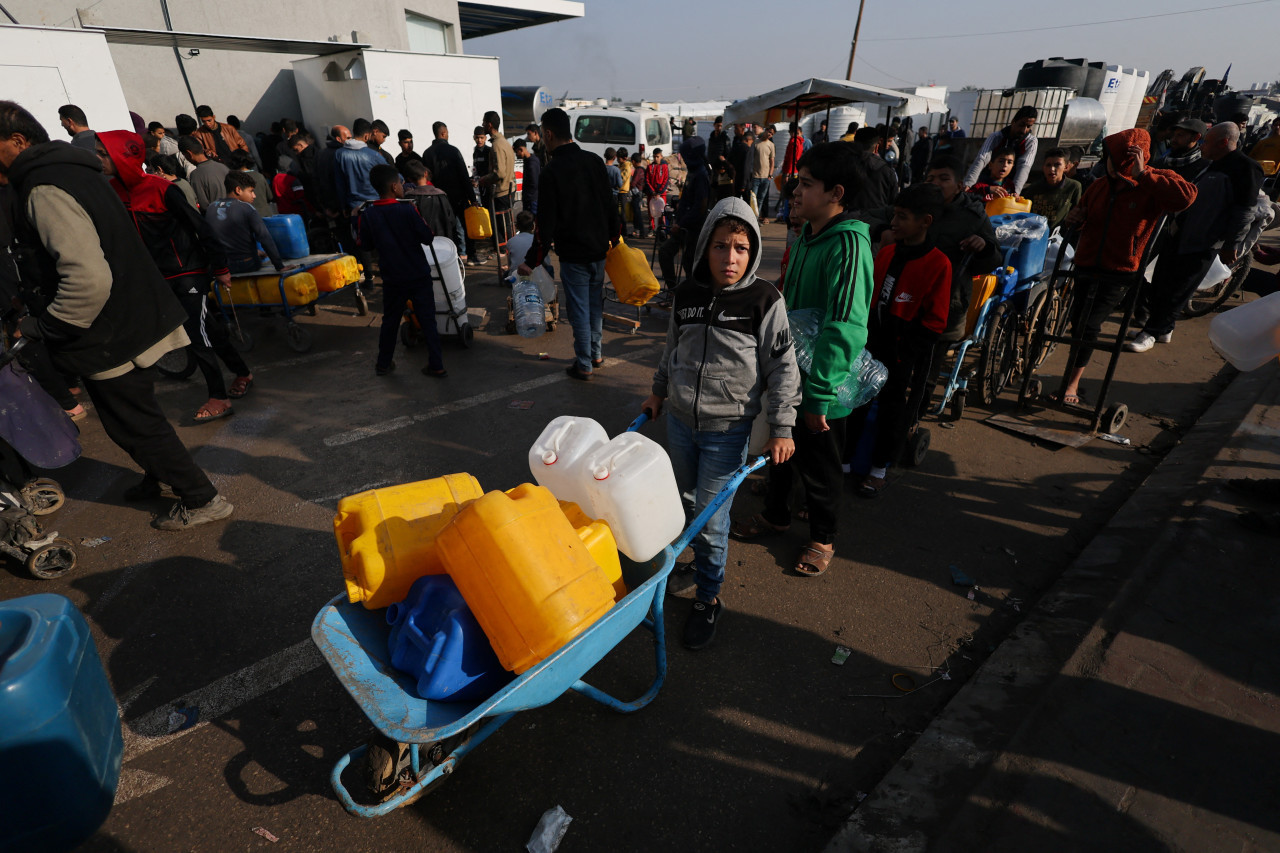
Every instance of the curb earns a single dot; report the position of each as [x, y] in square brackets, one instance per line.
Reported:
[1067, 631]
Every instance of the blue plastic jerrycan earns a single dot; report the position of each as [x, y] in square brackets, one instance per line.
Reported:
[60, 738]
[289, 234]
[435, 639]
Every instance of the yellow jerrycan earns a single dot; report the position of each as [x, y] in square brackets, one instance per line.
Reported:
[479, 224]
[632, 278]
[1008, 204]
[598, 538]
[525, 573]
[387, 537]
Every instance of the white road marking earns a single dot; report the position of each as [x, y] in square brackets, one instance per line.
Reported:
[167, 384]
[136, 783]
[327, 499]
[151, 730]
[360, 434]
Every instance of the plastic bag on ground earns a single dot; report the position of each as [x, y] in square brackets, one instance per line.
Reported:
[1013, 233]
[865, 379]
[549, 832]
[1217, 274]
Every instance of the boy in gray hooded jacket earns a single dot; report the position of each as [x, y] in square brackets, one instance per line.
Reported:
[728, 356]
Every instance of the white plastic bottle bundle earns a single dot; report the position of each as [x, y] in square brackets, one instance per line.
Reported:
[865, 380]
[528, 308]
[546, 284]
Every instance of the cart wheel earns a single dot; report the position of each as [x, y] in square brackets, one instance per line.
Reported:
[311, 310]
[240, 339]
[511, 325]
[53, 560]
[1034, 389]
[1115, 417]
[551, 325]
[44, 496]
[362, 303]
[996, 364]
[466, 335]
[957, 404]
[177, 364]
[917, 446]
[298, 337]
[408, 336]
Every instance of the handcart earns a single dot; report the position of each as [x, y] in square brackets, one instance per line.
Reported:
[451, 317]
[298, 337]
[438, 735]
[1065, 297]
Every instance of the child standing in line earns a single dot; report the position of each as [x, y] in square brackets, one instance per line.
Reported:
[908, 312]
[398, 233]
[728, 355]
[829, 269]
[996, 181]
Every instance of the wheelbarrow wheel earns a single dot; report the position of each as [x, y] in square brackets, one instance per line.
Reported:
[917, 446]
[388, 767]
[177, 364]
[466, 335]
[44, 496]
[362, 303]
[299, 339]
[53, 560]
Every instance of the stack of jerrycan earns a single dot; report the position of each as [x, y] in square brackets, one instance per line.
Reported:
[336, 274]
[525, 580]
[60, 738]
[631, 275]
[626, 481]
[299, 289]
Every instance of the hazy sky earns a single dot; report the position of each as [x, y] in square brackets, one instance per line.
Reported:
[667, 50]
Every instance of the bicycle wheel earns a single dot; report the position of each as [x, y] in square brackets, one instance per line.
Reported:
[999, 354]
[1204, 301]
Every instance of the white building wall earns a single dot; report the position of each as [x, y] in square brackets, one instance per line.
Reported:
[42, 69]
[257, 87]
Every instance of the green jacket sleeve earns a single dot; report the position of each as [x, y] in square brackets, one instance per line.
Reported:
[844, 331]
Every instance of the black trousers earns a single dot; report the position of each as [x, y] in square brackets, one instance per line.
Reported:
[133, 419]
[1176, 278]
[900, 400]
[35, 358]
[817, 462]
[210, 341]
[1095, 299]
[395, 297]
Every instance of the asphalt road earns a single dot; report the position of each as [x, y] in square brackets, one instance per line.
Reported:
[758, 742]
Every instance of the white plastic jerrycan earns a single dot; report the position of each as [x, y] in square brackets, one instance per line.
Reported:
[633, 488]
[1248, 336]
[556, 458]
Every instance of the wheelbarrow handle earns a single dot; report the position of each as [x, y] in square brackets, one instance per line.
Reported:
[718, 501]
[641, 419]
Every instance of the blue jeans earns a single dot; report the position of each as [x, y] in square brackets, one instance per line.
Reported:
[703, 462]
[584, 302]
[760, 186]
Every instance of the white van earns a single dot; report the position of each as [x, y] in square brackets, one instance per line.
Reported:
[632, 128]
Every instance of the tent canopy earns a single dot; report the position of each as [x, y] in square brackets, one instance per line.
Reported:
[817, 93]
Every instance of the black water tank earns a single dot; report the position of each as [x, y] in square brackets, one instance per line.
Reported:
[1095, 75]
[1226, 106]
[1054, 72]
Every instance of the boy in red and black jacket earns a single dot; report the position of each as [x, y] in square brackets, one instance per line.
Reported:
[908, 312]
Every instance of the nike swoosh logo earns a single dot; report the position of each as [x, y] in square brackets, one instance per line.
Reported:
[724, 318]
[903, 297]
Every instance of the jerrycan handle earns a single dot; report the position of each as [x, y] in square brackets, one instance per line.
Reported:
[603, 472]
[550, 456]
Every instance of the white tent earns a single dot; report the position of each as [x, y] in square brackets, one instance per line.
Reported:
[817, 93]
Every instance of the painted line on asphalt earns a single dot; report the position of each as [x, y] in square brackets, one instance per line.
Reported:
[151, 730]
[167, 385]
[362, 433]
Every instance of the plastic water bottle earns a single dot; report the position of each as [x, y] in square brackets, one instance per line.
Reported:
[528, 308]
[865, 379]
[546, 284]
[1248, 336]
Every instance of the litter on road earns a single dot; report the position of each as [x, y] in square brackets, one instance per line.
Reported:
[549, 832]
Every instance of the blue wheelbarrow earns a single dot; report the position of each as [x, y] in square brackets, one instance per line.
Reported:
[420, 742]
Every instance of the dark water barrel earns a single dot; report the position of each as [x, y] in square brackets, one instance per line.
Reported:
[1054, 72]
[1225, 106]
[1095, 74]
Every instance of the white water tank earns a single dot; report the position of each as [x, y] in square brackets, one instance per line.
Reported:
[1114, 96]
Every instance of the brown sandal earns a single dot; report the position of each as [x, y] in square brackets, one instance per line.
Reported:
[240, 386]
[813, 561]
[209, 412]
[755, 527]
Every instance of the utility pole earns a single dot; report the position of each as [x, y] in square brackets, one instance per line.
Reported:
[853, 48]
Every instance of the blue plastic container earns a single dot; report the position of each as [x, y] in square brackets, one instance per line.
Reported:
[60, 740]
[435, 639]
[289, 234]
[1028, 257]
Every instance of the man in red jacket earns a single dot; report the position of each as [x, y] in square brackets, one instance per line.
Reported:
[1118, 214]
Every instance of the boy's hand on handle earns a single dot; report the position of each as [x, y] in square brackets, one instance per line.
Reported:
[1075, 216]
[973, 243]
[779, 450]
[815, 423]
[652, 406]
[224, 279]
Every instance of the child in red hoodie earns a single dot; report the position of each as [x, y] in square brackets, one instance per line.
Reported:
[908, 312]
[1118, 216]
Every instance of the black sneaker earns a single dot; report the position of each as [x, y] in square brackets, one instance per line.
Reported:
[700, 627]
[148, 488]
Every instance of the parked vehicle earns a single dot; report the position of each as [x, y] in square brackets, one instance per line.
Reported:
[635, 129]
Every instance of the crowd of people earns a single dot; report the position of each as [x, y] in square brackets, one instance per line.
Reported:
[885, 233]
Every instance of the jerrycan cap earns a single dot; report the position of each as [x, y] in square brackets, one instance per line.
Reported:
[602, 473]
[549, 457]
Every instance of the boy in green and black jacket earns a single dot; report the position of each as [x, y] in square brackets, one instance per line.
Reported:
[831, 269]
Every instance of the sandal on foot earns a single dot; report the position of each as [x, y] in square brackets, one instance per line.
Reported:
[755, 527]
[802, 514]
[211, 412]
[813, 561]
[1066, 399]
[240, 386]
[77, 414]
[870, 487]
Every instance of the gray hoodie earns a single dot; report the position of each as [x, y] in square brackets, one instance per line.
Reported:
[729, 353]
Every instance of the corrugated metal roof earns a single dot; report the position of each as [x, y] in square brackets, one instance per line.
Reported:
[211, 41]
[485, 18]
